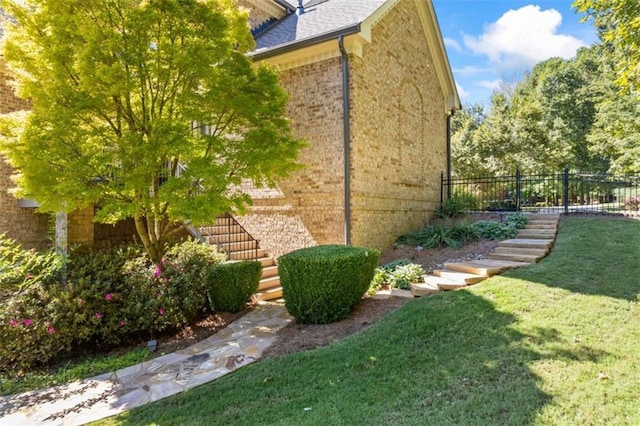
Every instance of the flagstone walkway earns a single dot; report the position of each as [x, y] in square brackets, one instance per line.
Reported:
[239, 344]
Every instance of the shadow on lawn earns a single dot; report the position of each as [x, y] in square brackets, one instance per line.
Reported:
[448, 359]
[593, 256]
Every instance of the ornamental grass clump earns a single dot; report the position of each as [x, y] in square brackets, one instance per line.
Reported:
[321, 284]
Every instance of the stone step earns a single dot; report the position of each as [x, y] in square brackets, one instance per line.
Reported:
[269, 271]
[221, 230]
[535, 234]
[247, 254]
[543, 216]
[459, 277]
[238, 246]
[266, 261]
[541, 226]
[442, 283]
[519, 250]
[270, 294]
[485, 267]
[424, 289]
[225, 238]
[267, 283]
[527, 243]
[527, 258]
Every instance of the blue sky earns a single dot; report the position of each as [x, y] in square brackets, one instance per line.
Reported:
[492, 42]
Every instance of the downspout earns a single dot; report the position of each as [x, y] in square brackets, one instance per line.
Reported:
[449, 115]
[346, 143]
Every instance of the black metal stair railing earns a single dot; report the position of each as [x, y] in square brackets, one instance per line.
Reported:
[225, 241]
[234, 238]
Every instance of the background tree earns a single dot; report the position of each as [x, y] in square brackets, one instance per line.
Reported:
[618, 22]
[149, 110]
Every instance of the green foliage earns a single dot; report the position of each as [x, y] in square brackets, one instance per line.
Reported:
[439, 235]
[231, 285]
[492, 230]
[321, 284]
[397, 274]
[564, 113]
[457, 206]
[618, 25]
[108, 297]
[150, 109]
[517, 220]
[19, 266]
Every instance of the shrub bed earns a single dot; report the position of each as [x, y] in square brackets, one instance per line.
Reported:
[107, 297]
[397, 274]
[321, 284]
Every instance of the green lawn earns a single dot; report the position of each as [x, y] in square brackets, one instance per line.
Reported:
[553, 343]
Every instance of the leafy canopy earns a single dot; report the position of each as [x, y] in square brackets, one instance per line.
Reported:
[147, 109]
[618, 22]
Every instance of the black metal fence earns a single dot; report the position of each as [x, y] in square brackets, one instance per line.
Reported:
[564, 192]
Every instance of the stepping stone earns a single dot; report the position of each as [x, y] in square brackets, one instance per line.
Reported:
[520, 250]
[424, 289]
[486, 267]
[536, 234]
[382, 295]
[442, 283]
[543, 216]
[459, 277]
[527, 243]
[527, 258]
[541, 226]
[396, 292]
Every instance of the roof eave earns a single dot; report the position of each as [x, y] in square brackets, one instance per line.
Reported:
[300, 44]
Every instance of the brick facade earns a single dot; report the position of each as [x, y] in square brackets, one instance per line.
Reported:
[398, 145]
[307, 208]
[21, 224]
[398, 127]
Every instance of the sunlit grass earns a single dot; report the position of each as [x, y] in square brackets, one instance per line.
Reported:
[553, 343]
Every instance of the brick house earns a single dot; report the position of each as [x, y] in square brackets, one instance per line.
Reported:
[370, 90]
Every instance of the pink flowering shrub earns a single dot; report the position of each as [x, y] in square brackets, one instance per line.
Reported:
[632, 203]
[108, 297]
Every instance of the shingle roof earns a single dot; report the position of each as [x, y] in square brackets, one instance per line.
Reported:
[320, 17]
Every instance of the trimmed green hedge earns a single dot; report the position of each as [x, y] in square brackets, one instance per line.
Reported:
[321, 284]
[232, 284]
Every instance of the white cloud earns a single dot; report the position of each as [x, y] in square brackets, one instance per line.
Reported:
[490, 84]
[523, 37]
[449, 42]
[470, 70]
[462, 93]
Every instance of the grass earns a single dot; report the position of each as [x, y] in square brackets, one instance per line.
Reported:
[552, 343]
[79, 368]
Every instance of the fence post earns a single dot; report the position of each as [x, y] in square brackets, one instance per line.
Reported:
[441, 189]
[518, 189]
[565, 195]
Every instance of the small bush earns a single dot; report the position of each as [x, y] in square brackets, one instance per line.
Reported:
[434, 236]
[518, 220]
[231, 285]
[321, 284]
[457, 206]
[632, 203]
[397, 274]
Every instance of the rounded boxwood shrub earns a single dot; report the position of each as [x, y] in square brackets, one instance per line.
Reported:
[231, 285]
[321, 284]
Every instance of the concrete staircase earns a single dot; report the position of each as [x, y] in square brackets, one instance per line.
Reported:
[228, 236]
[532, 243]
